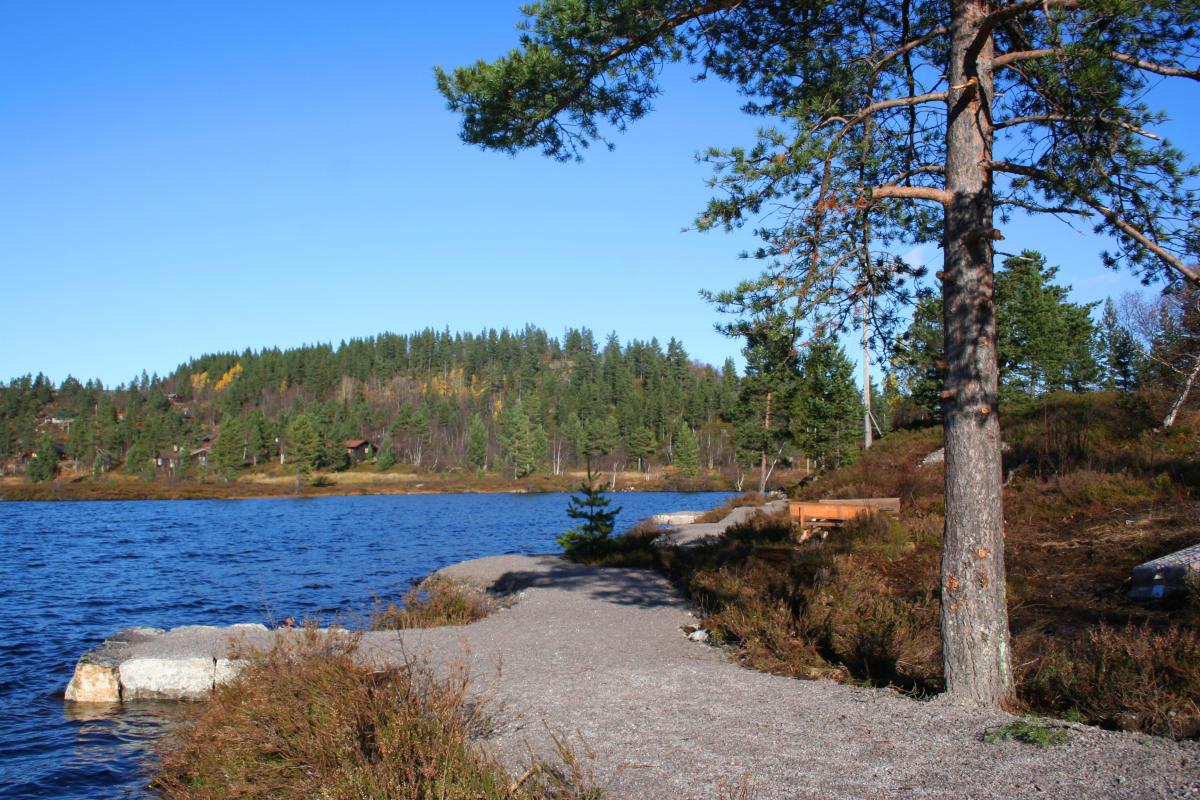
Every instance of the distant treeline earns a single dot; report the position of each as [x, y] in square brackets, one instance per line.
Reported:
[525, 402]
[522, 400]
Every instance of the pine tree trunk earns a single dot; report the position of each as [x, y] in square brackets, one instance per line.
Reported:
[974, 615]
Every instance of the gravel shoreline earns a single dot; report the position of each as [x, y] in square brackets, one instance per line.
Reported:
[597, 656]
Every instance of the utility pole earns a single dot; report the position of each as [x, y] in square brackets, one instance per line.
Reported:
[866, 362]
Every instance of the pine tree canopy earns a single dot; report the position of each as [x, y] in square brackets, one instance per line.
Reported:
[888, 123]
[860, 95]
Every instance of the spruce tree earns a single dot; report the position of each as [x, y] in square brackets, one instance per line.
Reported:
[766, 395]
[521, 440]
[477, 439]
[590, 506]
[1045, 342]
[640, 444]
[257, 439]
[302, 445]
[385, 459]
[687, 452]
[228, 451]
[829, 409]
[603, 437]
[1122, 356]
[142, 458]
[44, 464]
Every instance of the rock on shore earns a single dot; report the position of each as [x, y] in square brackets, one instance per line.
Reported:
[152, 664]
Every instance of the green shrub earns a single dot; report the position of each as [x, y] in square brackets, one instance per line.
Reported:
[590, 506]
[1028, 732]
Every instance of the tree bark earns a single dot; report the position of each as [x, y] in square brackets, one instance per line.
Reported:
[974, 613]
[762, 471]
[866, 366]
[1169, 420]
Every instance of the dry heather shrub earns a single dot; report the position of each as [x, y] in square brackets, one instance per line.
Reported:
[304, 720]
[862, 623]
[1097, 492]
[769, 638]
[875, 532]
[892, 469]
[818, 609]
[433, 603]
[1130, 678]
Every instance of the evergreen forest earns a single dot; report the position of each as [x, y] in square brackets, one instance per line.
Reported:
[515, 404]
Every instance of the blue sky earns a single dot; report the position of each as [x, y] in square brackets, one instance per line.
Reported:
[187, 178]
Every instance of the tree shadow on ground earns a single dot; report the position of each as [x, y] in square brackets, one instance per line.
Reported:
[626, 587]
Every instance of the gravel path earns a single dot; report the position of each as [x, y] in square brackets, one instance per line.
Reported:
[598, 656]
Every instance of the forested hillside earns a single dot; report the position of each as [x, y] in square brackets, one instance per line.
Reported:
[521, 402]
[518, 404]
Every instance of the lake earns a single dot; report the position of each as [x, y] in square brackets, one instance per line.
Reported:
[73, 573]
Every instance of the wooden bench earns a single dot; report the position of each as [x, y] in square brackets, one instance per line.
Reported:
[832, 513]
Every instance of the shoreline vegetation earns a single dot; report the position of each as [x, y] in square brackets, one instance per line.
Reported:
[359, 481]
[859, 607]
[307, 718]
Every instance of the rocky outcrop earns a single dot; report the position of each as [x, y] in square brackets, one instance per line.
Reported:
[97, 677]
[153, 664]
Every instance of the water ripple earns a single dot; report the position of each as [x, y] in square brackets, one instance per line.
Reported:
[75, 573]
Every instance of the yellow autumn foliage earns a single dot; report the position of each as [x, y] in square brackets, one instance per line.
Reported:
[228, 377]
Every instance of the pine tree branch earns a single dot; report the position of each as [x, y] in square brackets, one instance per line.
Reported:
[935, 169]
[1034, 208]
[1000, 15]
[911, 193]
[1031, 118]
[908, 47]
[1161, 69]
[1114, 219]
[668, 23]
[1009, 59]
[874, 108]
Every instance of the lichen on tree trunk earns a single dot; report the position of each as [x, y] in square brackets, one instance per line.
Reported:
[974, 616]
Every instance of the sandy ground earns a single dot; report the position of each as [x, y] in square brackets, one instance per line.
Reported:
[597, 656]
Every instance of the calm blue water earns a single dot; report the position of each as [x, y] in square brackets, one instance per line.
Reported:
[72, 574]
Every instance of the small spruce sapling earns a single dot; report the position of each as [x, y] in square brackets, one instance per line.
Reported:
[591, 507]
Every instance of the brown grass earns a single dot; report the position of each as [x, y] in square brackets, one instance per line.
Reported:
[305, 720]
[433, 603]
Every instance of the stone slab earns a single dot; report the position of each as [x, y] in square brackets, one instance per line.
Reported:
[167, 678]
[152, 664]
